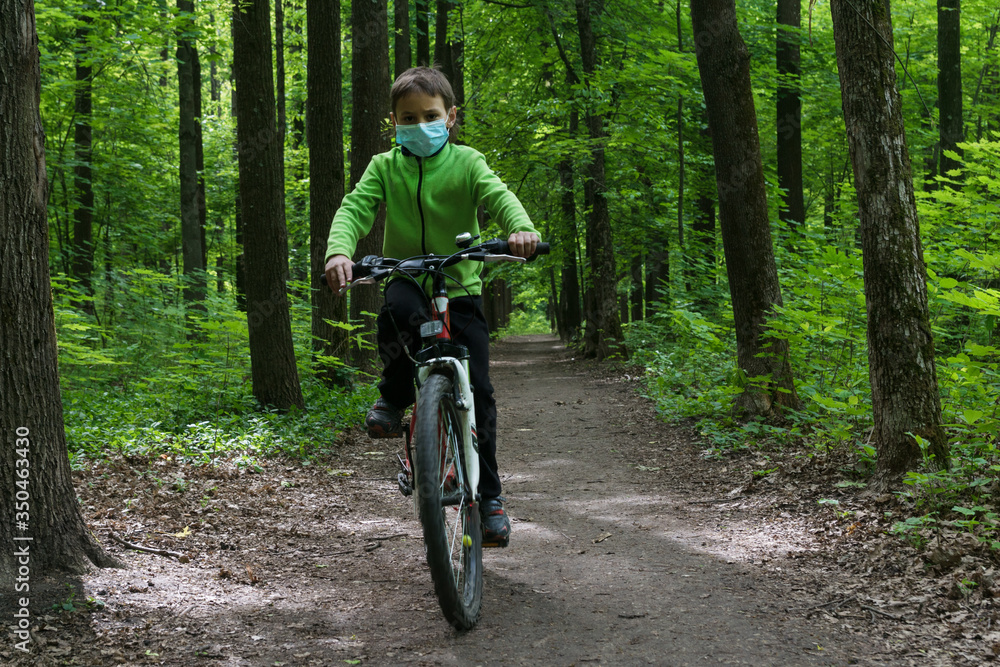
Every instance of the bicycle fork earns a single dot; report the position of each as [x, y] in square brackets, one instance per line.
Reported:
[458, 370]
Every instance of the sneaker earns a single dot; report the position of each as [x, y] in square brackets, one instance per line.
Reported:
[496, 525]
[384, 421]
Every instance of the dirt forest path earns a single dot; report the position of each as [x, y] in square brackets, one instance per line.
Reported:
[625, 551]
[601, 569]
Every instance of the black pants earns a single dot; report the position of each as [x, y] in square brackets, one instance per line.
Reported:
[406, 304]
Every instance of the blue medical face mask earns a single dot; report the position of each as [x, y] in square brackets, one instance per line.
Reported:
[424, 139]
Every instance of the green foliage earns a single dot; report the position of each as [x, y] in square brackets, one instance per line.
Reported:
[154, 383]
[141, 376]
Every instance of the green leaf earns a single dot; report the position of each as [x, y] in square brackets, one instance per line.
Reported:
[972, 416]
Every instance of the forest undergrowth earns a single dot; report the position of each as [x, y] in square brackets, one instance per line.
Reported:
[139, 379]
[688, 353]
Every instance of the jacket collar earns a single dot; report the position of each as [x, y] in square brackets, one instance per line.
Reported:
[408, 153]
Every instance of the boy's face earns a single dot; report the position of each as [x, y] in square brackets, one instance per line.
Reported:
[421, 108]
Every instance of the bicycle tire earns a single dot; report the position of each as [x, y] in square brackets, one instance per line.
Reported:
[452, 533]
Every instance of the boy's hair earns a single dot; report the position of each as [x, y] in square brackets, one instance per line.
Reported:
[426, 80]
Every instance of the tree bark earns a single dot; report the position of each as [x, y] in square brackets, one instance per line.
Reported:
[83, 214]
[402, 51]
[905, 397]
[272, 354]
[603, 334]
[724, 65]
[657, 293]
[442, 50]
[423, 32]
[703, 243]
[950, 82]
[199, 159]
[325, 123]
[370, 85]
[568, 238]
[239, 261]
[789, 123]
[191, 227]
[448, 54]
[215, 94]
[570, 317]
[41, 517]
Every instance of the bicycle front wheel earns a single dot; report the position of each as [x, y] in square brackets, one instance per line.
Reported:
[448, 509]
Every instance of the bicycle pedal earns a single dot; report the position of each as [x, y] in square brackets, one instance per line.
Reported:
[404, 477]
[404, 484]
[496, 544]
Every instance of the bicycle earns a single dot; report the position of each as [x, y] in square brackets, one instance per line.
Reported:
[441, 468]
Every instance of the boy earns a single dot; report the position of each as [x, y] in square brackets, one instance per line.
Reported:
[431, 188]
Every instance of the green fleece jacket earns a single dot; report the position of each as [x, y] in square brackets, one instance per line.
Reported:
[429, 201]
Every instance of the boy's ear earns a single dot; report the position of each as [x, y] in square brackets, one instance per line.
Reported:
[392, 117]
[452, 116]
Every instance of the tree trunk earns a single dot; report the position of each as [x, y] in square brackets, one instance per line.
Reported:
[83, 215]
[191, 229]
[681, 166]
[703, 249]
[703, 242]
[789, 123]
[42, 531]
[903, 376]
[239, 263]
[370, 85]
[423, 32]
[657, 277]
[272, 354]
[164, 12]
[603, 335]
[685, 269]
[950, 82]
[569, 302]
[448, 54]
[402, 51]
[442, 52]
[570, 316]
[215, 94]
[199, 159]
[325, 123]
[724, 65]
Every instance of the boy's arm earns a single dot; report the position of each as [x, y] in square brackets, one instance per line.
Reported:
[356, 214]
[502, 204]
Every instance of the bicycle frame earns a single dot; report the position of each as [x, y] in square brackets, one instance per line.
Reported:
[438, 355]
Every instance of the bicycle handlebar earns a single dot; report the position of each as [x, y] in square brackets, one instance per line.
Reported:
[496, 249]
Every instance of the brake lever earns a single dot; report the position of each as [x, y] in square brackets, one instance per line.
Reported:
[487, 257]
[359, 281]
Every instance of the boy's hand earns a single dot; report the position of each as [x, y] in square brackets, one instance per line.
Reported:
[522, 244]
[338, 272]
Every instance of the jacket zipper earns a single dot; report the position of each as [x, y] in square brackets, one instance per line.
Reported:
[420, 206]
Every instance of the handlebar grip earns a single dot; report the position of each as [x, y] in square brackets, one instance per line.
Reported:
[541, 249]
